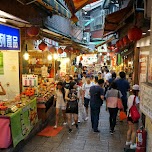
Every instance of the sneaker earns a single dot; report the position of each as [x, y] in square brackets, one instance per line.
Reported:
[65, 123]
[111, 132]
[76, 125]
[133, 146]
[97, 131]
[70, 130]
[128, 143]
[73, 123]
[79, 121]
[55, 127]
[86, 118]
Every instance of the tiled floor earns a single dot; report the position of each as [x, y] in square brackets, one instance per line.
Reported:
[82, 140]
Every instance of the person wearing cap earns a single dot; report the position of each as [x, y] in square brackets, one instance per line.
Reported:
[132, 126]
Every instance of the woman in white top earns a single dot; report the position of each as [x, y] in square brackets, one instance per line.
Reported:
[132, 126]
[60, 102]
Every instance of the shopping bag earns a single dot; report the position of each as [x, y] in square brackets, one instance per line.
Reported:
[122, 115]
[135, 115]
[119, 102]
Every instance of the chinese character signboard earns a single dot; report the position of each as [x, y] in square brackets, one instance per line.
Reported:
[143, 62]
[150, 70]
[9, 38]
[145, 100]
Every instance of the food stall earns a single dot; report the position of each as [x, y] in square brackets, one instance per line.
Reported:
[17, 119]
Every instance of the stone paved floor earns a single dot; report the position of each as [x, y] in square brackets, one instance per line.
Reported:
[82, 140]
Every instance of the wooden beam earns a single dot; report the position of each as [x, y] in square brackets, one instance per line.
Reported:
[70, 5]
[84, 4]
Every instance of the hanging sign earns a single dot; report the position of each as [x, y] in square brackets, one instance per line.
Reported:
[9, 38]
[145, 100]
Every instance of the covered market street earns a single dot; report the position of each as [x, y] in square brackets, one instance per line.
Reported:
[83, 140]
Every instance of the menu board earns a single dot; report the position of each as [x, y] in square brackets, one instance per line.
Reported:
[29, 80]
[143, 67]
[145, 100]
[150, 70]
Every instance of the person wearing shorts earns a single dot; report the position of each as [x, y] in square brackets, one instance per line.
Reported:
[86, 88]
[60, 103]
[132, 125]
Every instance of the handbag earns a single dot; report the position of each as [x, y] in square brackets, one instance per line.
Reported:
[119, 102]
[122, 115]
[71, 106]
[135, 115]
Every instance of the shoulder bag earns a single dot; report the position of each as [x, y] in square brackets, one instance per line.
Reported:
[135, 115]
[119, 102]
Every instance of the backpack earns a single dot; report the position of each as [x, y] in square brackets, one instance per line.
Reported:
[135, 115]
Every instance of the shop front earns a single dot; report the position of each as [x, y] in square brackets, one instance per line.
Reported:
[39, 71]
[17, 115]
[145, 82]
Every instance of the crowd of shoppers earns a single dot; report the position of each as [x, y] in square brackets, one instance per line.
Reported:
[79, 93]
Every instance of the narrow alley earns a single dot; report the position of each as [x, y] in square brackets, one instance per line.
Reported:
[83, 140]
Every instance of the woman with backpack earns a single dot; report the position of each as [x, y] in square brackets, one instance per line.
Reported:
[132, 125]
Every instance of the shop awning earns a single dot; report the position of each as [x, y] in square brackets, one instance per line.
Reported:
[62, 39]
[76, 5]
[115, 21]
[107, 41]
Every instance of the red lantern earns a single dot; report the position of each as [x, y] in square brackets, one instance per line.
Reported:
[134, 34]
[121, 43]
[52, 50]
[118, 44]
[60, 50]
[42, 46]
[112, 47]
[116, 50]
[74, 51]
[33, 31]
[108, 47]
[66, 50]
[125, 40]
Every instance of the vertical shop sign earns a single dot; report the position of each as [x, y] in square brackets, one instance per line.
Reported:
[143, 67]
[150, 70]
[145, 100]
[9, 38]
[1, 64]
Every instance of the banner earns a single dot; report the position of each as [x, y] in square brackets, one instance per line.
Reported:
[1, 64]
[23, 121]
[9, 38]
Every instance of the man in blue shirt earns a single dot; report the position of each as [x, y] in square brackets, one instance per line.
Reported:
[96, 101]
[123, 86]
